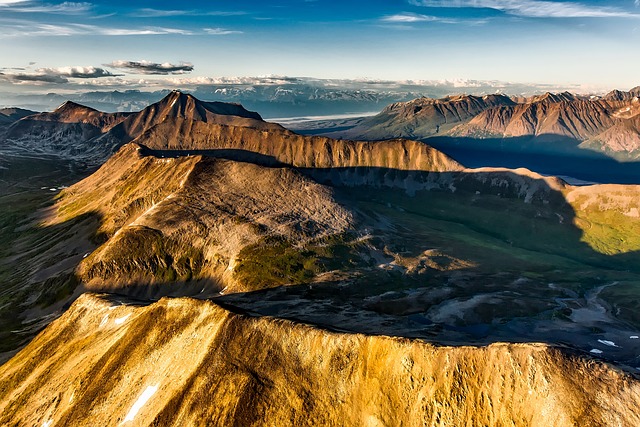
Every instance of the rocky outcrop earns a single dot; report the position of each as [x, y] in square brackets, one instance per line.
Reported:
[183, 106]
[577, 120]
[617, 95]
[551, 122]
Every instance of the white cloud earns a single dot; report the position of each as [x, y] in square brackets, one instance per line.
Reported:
[401, 19]
[65, 8]
[161, 13]
[77, 72]
[59, 75]
[408, 18]
[36, 29]
[145, 31]
[220, 31]
[534, 8]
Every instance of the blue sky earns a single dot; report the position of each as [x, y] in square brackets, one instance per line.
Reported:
[67, 45]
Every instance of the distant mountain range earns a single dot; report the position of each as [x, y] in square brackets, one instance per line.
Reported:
[289, 100]
[563, 123]
[278, 96]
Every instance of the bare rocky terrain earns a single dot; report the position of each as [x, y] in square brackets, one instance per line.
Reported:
[187, 362]
[307, 280]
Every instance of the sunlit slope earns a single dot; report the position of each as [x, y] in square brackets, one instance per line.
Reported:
[167, 219]
[187, 362]
[295, 150]
[187, 218]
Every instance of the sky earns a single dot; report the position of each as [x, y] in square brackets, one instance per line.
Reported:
[53, 45]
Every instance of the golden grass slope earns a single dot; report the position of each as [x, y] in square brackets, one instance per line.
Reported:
[199, 364]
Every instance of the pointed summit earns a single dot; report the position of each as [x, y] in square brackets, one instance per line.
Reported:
[177, 107]
[72, 107]
[184, 105]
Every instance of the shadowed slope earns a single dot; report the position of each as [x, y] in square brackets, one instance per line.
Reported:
[10, 115]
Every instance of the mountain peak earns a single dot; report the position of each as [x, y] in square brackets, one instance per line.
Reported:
[70, 106]
[550, 97]
[185, 105]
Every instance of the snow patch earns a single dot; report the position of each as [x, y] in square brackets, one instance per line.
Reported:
[121, 320]
[104, 320]
[47, 423]
[144, 397]
[633, 337]
[609, 343]
[596, 351]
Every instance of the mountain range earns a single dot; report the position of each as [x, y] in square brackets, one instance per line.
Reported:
[209, 267]
[561, 123]
[273, 96]
[76, 131]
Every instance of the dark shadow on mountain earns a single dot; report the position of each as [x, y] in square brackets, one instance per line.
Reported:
[531, 277]
[548, 155]
[454, 258]
[237, 155]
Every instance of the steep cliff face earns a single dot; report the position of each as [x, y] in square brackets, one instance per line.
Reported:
[622, 140]
[563, 122]
[423, 117]
[187, 362]
[618, 95]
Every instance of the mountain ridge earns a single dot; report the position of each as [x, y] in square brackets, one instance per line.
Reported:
[562, 121]
[86, 134]
[263, 370]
